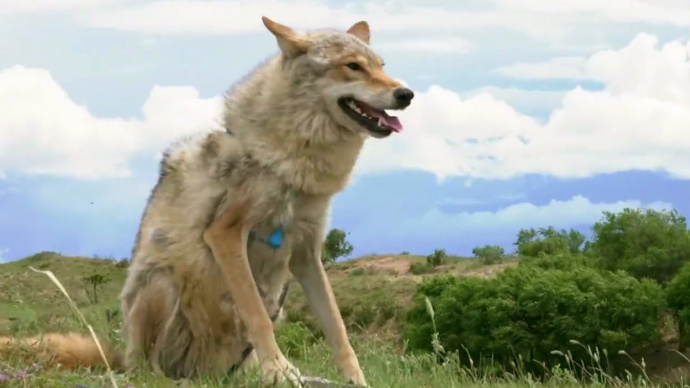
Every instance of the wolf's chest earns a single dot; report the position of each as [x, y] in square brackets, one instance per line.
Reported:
[269, 250]
[272, 227]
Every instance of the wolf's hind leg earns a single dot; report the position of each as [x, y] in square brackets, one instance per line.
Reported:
[151, 309]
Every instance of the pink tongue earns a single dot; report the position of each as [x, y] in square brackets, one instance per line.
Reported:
[390, 122]
[385, 121]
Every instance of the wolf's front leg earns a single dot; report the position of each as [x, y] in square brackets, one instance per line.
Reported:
[227, 238]
[306, 265]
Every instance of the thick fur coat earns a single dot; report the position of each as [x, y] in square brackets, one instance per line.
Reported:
[204, 287]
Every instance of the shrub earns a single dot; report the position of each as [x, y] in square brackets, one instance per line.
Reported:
[560, 261]
[359, 271]
[489, 254]
[548, 241]
[678, 299]
[421, 268]
[437, 258]
[645, 243]
[527, 312]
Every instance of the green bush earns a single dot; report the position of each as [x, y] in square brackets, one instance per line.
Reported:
[678, 299]
[489, 254]
[645, 243]
[528, 312]
[437, 258]
[561, 261]
[421, 268]
[360, 271]
[548, 241]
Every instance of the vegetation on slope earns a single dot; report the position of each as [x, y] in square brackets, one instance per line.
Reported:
[568, 311]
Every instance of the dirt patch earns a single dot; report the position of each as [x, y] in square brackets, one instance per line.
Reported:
[400, 265]
[385, 264]
[486, 272]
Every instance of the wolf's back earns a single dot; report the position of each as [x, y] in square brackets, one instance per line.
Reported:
[70, 351]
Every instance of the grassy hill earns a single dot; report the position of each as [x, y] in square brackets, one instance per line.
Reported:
[373, 292]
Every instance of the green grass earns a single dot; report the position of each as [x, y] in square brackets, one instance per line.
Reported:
[373, 305]
[382, 367]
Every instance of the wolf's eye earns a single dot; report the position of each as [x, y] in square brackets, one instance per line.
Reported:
[354, 66]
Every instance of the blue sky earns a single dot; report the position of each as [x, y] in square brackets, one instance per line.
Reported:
[527, 114]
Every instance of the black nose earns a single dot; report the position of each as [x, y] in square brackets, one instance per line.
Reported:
[403, 96]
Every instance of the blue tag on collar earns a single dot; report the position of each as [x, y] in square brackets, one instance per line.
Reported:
[275, 240]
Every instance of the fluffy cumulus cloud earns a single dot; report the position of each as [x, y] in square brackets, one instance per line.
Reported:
[638, 121]
[574, 211]
[524, 100]
[44, 132]
[612, 67]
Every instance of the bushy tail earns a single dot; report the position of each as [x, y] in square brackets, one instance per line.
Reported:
[70, 351]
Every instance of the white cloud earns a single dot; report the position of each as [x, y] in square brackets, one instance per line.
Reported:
[564, 67]
[639, 121]
[438, 45]
[543, 20]
[674, 12]
[574, 211]
[640, 69]
[220, 17]
[46, 6]
[3, 254]
[526, 101]
[606, 65]
[42, 131]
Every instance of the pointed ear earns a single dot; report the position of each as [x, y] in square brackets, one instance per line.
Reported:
[360, 30]
[290, 43]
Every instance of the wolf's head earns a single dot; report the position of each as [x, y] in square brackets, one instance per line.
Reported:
[345, 74]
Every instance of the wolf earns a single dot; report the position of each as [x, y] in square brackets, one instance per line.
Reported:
[236, 213]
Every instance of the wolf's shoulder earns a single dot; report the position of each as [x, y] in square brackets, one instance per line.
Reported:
[205, 151]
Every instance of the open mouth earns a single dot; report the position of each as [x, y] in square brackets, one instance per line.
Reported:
[376, 121]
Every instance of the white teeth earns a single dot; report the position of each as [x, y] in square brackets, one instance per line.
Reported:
[355, 108]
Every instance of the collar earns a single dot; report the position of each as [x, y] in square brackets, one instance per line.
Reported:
[274, 240]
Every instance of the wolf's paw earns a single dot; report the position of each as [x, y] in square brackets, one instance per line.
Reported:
[357, 378]
[279, 370]
[351, 371]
